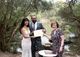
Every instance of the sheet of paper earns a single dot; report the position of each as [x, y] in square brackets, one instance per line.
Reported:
[38, 33]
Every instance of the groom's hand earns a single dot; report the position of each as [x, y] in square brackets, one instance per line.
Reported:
[44, 30]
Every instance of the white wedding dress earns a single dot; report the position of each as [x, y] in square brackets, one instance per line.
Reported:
[26, 46]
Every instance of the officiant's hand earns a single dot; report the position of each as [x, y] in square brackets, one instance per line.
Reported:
[61, 48]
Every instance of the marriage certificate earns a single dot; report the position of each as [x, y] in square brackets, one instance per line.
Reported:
[38, 33]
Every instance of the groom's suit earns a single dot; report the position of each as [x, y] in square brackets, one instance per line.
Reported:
[36, 42]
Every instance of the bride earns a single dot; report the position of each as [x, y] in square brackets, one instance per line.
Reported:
[26, 40]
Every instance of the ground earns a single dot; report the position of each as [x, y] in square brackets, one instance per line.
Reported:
[6, 54]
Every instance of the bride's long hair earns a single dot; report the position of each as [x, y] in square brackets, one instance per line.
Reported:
[23, 23]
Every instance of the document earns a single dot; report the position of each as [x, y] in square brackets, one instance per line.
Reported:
[38, 33]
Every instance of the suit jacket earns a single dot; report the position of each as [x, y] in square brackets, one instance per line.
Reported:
[39, 26]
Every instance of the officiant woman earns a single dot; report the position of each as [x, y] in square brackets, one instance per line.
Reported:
[57, 37]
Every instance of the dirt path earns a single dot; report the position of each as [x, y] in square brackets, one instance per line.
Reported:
[6, 54]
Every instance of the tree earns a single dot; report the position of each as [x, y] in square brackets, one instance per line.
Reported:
[11, 14]
[71, 13]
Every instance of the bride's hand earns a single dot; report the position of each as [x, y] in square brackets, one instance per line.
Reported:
[31, 34]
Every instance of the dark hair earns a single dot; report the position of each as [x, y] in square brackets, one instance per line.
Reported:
[56, 24]
[22, 23]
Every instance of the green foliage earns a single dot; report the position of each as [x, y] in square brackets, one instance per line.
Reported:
[71, 14]
[11, 14]
[76, 9]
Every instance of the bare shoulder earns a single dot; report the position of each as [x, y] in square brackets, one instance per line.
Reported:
[23, 29]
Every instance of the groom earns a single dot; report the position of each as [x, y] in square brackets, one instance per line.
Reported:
[36, 42]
